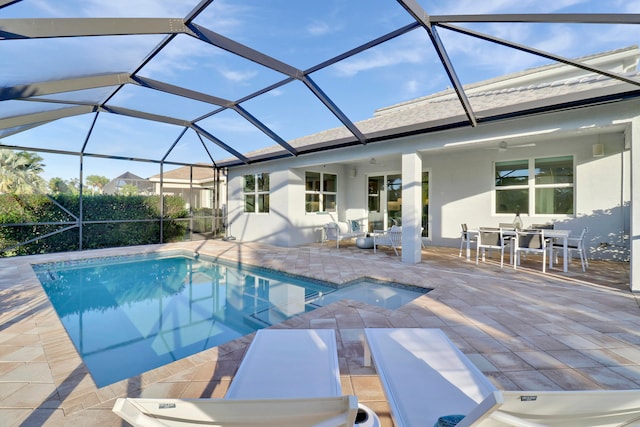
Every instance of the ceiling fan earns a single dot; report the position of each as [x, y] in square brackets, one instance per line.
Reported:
[502, 146]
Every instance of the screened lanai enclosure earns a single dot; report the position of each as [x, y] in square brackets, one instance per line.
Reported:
[120, 120]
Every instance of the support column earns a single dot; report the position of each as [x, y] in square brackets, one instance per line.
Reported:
[411, 208]
[634, 226]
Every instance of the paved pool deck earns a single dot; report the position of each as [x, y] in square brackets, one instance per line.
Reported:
[524, 329]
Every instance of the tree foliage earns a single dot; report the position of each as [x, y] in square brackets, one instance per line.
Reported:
[118, 221]
[20, 172]
[96, 183]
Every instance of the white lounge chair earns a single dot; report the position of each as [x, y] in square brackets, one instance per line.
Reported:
[342, 230]
[316, 412]
[589, 408]
[293, 363]
[424, 375]
[281, 369]
[288, 363]
[391, 237]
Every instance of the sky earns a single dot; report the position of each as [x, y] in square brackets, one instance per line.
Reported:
[299, 33]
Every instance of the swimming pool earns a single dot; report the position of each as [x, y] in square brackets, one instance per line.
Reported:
[127, 315]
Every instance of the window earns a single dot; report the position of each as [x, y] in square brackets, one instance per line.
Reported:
[320, 192]
[512, 186]
[549, 180]
[256, 192]
[554, 185]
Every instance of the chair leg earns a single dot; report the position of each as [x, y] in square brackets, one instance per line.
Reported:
[582, 261]
[461, 244]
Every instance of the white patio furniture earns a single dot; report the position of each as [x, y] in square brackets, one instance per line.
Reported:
[424, 375]
[584, 408]
[491, 238]
[573, 244]
[159, 412]
[293, 363]
[530, 241]
[287, 363]
[560, 239]
[391, 237]
[466, 238]
[342, 230]
[288, 377]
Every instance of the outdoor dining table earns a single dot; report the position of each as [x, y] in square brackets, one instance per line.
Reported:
[564, 236]
[547, 234]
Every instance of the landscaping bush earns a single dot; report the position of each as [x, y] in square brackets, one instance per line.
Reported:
[40, 211]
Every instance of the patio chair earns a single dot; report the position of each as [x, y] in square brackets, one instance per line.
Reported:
[288, 377]
[427, 380]
[491, 238]
[297, 412]
[575, 244]
[466, 238]
[342, 230]
[293, 363]
[423, 374]
[584, 408]
[391, 237]
[278, 359]
[530, 241]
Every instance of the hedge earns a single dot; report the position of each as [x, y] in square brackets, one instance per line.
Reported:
[33, 209]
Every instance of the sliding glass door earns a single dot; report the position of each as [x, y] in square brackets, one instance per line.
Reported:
[384, 200]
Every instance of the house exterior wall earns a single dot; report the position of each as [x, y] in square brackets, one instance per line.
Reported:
[462, 192]
[461, 170]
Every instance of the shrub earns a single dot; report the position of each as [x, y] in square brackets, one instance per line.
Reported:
[40, 215]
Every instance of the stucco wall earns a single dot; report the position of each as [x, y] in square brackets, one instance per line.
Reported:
[462, 192]
[461, 181]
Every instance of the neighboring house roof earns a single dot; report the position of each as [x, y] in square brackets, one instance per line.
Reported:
[443, 110]
[200, 174]
[127, 178]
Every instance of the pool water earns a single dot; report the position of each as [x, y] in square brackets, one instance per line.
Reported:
[127, 315]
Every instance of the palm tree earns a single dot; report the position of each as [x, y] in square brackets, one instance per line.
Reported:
[97, 181]
[20, 172]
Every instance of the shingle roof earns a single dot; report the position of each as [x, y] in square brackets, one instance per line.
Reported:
[183, 173]
[443, 110]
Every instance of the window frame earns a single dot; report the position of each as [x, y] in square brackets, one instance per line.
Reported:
[321, 193]
[532, 187]
[257, 193]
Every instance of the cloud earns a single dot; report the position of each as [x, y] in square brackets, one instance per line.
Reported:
[318, 28]
[139, 8]
[397, 52]
[499, 6]
[238, 76]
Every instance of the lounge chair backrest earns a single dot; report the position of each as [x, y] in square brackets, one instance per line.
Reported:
[585, 408]
[294, 412]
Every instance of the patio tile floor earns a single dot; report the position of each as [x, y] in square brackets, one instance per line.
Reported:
[523, 329]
